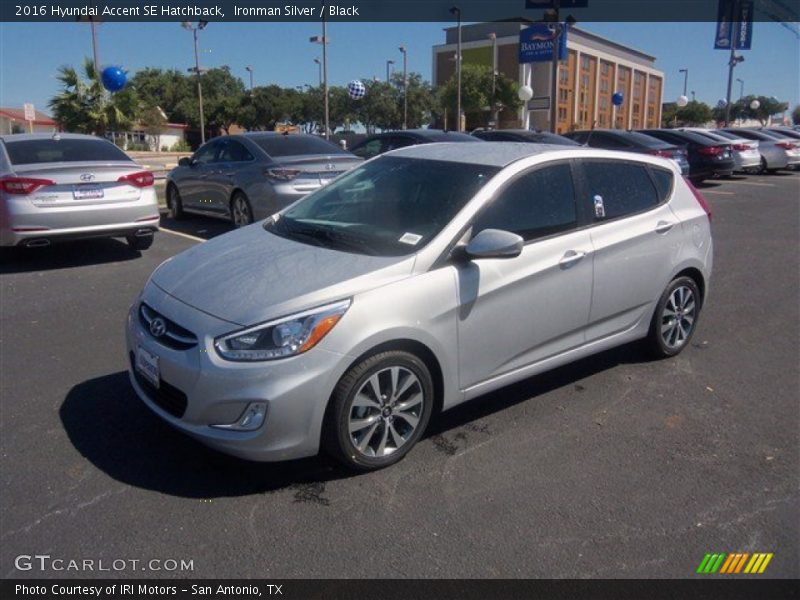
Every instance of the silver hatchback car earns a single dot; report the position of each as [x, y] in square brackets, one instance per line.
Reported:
[68, 186]
[421, 279]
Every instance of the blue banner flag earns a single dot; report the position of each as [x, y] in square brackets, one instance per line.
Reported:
[734, 25]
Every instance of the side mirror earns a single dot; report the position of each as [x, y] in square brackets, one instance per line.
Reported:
[185, 162]
[494, 243]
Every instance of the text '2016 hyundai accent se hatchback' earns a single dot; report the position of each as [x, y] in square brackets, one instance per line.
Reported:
[421, 279]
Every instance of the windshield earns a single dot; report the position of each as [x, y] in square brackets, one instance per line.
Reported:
[391, 206]
[294, 145]
[27, 152]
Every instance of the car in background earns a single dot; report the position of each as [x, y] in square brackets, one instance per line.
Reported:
[746, 156]
[630, 141]
[530, 136]
[707, 158]
[786, 131]
[64, 186]
[419, 280]
[392, 140]
[250, 176]
[777, 152]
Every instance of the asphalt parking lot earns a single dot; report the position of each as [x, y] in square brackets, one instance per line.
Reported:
[615, 466]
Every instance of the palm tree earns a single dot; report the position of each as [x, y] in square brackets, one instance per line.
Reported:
[84, 105]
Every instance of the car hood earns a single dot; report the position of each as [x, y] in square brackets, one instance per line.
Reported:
[251, 275]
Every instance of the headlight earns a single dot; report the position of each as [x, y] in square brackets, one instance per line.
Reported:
[284, 337]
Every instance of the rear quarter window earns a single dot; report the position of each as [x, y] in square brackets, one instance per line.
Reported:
[624, 187]
[28, 152]
[663, 180]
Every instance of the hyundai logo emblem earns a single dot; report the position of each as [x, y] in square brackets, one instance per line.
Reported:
[158, 327]
[330, 166]
[87, 176]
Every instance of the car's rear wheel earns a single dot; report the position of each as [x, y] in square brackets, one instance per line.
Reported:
[675, 317]
[140, 242]
[241, 212]
[378, 411]
[174, 203]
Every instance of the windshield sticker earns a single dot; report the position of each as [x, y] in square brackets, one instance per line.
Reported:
[410, 238]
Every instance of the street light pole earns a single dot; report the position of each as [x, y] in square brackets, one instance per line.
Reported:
[249, 69]
[388, 75]
[324, 41]
[95, 55]
[194, 29]
[492, 116]
[455, 10]
[319, 68]
[404, 50]
[741, 88]
[685, 79]
[554, 69]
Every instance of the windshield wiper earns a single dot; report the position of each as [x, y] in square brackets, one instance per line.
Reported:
[320, 235]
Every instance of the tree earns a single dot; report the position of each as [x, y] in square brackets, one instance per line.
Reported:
[378, 107]
[767, 107]
[476, 95]
[693, 114]
[267, 106]
[421, 100]
[168, 89]
[84, 105]
[153, 121]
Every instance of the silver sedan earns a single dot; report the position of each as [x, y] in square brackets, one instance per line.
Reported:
[251, 176]
[67, 186]
[423, 278]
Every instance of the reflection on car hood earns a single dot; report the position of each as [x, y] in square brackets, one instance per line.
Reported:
[251, 275]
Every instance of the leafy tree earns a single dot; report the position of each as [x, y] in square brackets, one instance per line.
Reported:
[85, 106]
[421, 100]
[153, 121]
[694, 113]
[267, 106]
[476, 95]
[767, 107]
[379, 107]
[167, 89]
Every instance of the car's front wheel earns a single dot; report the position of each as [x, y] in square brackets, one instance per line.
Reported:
[174, 202]
[379, 410]
[675, 317]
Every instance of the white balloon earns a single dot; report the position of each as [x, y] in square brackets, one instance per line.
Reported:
[525, 93]
[755, 104]
[682, 101]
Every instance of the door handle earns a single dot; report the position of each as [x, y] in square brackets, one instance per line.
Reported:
[664, 226]
[570, 258]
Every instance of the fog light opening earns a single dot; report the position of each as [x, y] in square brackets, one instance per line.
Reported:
[251, 419]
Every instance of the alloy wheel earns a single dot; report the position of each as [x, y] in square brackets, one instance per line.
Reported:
[241, 212]
[386, 411]
[678, 317]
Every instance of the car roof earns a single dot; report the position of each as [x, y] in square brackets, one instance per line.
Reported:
[23, 137]
[496, 154]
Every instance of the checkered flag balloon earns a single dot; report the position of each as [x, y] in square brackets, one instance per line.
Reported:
[356, 90]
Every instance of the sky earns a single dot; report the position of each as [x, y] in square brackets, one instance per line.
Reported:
[30, 53]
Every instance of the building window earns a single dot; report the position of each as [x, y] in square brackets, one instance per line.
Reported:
[563, 95]
[585, 62]
[562, 114]
[605, 68]
[563, 75]
[604, 86]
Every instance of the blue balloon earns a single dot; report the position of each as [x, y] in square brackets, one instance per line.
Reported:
[617, 99]
[114, 79]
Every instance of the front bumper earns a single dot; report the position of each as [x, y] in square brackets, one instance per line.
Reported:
[215, 391]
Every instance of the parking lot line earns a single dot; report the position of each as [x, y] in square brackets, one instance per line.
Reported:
[717, 192]
[181, 234]
[752, 183]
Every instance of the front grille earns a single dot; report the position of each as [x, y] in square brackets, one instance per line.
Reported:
[174, 335]
[165, 396]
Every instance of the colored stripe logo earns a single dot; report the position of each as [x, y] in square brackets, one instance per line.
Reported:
[734, 563]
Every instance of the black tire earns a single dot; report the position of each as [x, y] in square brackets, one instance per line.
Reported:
[241, 211]
[174, 203]
[669, 335]
[337, 439]
[140, 242]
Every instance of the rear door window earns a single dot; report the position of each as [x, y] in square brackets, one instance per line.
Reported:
[28, 152]
[370, 148]
[207, 154]
[618, 189]
[233, 151]
[536, 204]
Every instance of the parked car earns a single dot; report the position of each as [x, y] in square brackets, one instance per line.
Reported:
[707, 158]
[785, 131]
[391, 140]
[250, 176]
[744, 152]
[630, 141]
[62, 186]
[530, 136]
[417, 281]
[776, 152]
